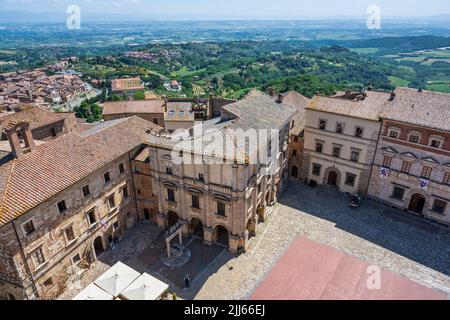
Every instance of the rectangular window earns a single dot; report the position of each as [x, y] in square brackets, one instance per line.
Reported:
[48, 282]
[121, 168]
[170, 195]
[201, 177]
[340, 128]
[393, 134]
[294, 153]
[355, 156]
[322, 125]
[359, 132]
[446, 178]
[406, 167]
[70, 236]
[337, 152]
[398, 193]
[111, 203]
[169, 171]
[316, 169]
[319, 147]
[195, 202]
[92, 219]
[116, 225]
[62, 206]
[426, 172]
[38, 256]
[435, 143]
[350, 179]
[439, 206]
[221, 209]
[125, 192]
[107, 177]
[86, 191]
[28, 227]
[387, 161]
[414, 139]
[155, 121]
[76, 259]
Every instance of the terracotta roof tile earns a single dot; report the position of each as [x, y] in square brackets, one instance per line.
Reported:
[133, 107]
[423, 108]
[56, 165]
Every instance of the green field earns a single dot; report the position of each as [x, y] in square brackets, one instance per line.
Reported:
[398, 82]
[365, 50]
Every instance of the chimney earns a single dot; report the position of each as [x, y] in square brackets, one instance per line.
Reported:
[420, 90]
[392, 96]
[166, 101]
[21, 130]
[280, 98]
[210, 114]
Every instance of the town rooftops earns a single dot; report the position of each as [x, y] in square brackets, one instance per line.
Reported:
[299, 102]
[35, 116]
[133, 107]
[367, 105]
[420, 107]
[128, 84]
[56, 165]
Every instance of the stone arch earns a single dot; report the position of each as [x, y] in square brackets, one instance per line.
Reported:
[222, 234]
[173, 218]
[328, 172]
[196, 226]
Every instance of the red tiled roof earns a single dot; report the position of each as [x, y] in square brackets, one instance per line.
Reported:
[35, 116]
[52, 167]
[133, 107]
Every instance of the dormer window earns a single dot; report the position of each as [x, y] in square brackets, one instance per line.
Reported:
[323, 125]
[359, 132]
[414, 139]
[394, 133]
[437, 142]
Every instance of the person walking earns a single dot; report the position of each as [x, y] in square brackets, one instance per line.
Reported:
[187, 281]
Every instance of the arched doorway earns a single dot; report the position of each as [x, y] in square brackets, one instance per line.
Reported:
[196, 228]
[172, 219]
[332, 178]
[294, 172]
[221, 235]
[417, 203]
[147, 215]
[98, 246]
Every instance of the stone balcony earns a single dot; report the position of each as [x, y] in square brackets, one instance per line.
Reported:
[220, 189]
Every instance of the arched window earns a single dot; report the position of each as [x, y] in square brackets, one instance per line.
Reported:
[294, 172]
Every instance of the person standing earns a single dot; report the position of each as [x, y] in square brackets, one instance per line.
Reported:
[187, 281]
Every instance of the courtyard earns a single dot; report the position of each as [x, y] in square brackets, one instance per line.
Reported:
[375, 234]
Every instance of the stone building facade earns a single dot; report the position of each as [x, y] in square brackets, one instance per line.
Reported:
[58, 214]
[341, 136]
[411, 170]
[223, 202]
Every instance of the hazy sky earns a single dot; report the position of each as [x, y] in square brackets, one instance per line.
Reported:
[238, 8]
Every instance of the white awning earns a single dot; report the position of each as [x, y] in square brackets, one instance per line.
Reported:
[116, 279]
[92, 292]
[146, 288]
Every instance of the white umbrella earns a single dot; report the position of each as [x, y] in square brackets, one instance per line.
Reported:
[92, 292]
[117, 278]
[145, 288]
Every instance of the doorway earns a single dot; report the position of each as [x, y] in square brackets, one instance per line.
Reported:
[332, 178]
[196, 228]
[222, 235]
[98, 246]
[417, 203]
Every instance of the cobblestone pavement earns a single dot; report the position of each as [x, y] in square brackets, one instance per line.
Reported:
[378, 235]
[396, 241]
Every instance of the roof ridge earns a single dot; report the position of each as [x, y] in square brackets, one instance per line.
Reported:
[4, 196]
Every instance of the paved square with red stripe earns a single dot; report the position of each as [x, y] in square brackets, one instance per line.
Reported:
[312, 271]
